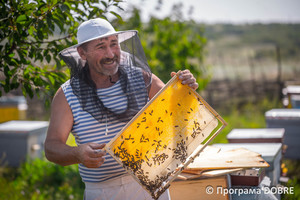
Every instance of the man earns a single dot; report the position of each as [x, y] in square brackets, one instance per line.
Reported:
[110, 82]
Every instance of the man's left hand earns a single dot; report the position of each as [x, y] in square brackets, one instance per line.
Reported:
[187, 78]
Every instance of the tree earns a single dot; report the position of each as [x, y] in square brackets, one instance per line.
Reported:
[32, 34]
[171, 44]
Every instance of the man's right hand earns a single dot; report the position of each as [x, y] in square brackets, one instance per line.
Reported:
[90, 156]
[56, 149]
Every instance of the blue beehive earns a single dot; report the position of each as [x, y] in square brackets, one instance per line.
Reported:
[19, 139]
[289, 119]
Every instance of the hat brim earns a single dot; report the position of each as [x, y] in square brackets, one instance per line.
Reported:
[124, 35]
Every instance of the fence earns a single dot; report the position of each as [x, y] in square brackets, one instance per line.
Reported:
[249, 81]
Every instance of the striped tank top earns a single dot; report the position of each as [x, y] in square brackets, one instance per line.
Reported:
[87, 129]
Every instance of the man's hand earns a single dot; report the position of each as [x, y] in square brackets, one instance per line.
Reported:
[91, 154]
[187, 78]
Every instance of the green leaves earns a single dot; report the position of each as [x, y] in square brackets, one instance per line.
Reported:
[40, 179]
[172, 45]
[32, 33]
[22, 18]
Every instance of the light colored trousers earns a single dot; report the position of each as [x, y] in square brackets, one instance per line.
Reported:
[121, 188]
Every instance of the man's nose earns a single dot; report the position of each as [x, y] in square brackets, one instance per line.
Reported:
[109, 53]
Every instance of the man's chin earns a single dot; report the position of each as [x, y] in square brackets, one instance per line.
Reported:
[110, 71]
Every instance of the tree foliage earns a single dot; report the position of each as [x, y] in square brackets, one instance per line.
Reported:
[32, 34]
[171, 44]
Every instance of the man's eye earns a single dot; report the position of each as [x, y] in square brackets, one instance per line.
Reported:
[100, 47]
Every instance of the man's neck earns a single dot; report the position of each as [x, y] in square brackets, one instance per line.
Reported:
[104, 81]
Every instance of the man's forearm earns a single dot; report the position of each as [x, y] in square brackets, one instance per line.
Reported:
[61, 154]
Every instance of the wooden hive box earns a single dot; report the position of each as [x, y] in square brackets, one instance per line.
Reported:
[247, 177]
[293, 93]
[200, 189]
[256, 135]
[270, 152]
[19, 139]
[289, 119]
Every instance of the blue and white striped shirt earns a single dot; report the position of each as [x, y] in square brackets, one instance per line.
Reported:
[87, 129]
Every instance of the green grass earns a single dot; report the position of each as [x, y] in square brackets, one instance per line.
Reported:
[247, 116]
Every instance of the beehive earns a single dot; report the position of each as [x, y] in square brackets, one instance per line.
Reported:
[165, 136]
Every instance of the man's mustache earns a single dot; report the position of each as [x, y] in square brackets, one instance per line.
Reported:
[104, 60]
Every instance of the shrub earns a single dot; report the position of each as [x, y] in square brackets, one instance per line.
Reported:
[40, 179]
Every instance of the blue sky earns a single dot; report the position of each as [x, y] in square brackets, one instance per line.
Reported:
[231, 11]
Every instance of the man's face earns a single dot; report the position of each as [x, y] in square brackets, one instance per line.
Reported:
[102, 55]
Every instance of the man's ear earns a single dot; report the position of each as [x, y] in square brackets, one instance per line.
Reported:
[81, 52]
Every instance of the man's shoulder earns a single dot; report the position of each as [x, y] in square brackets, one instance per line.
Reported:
[59, 101]
[66, 84]
[64, 91]
[69, 84]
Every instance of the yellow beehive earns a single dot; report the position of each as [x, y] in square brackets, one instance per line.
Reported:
[165, 135]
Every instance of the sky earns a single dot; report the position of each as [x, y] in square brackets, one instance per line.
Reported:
[227, 11]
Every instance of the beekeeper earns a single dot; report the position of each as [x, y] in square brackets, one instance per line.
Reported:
[110, 82]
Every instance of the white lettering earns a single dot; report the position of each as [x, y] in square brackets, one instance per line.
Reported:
[252, 191]
[266, 190]
[255, 190]
[273, 190]
[258, 191]
[291, 190]
[245, 191]
[219, 188]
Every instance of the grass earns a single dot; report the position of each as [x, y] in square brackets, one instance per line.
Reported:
[248, 116]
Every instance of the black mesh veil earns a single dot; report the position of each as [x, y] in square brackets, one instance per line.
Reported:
[134, 80]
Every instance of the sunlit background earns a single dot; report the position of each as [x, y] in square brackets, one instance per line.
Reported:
[218, 11]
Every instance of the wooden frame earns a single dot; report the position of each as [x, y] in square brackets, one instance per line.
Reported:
[165, 136]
